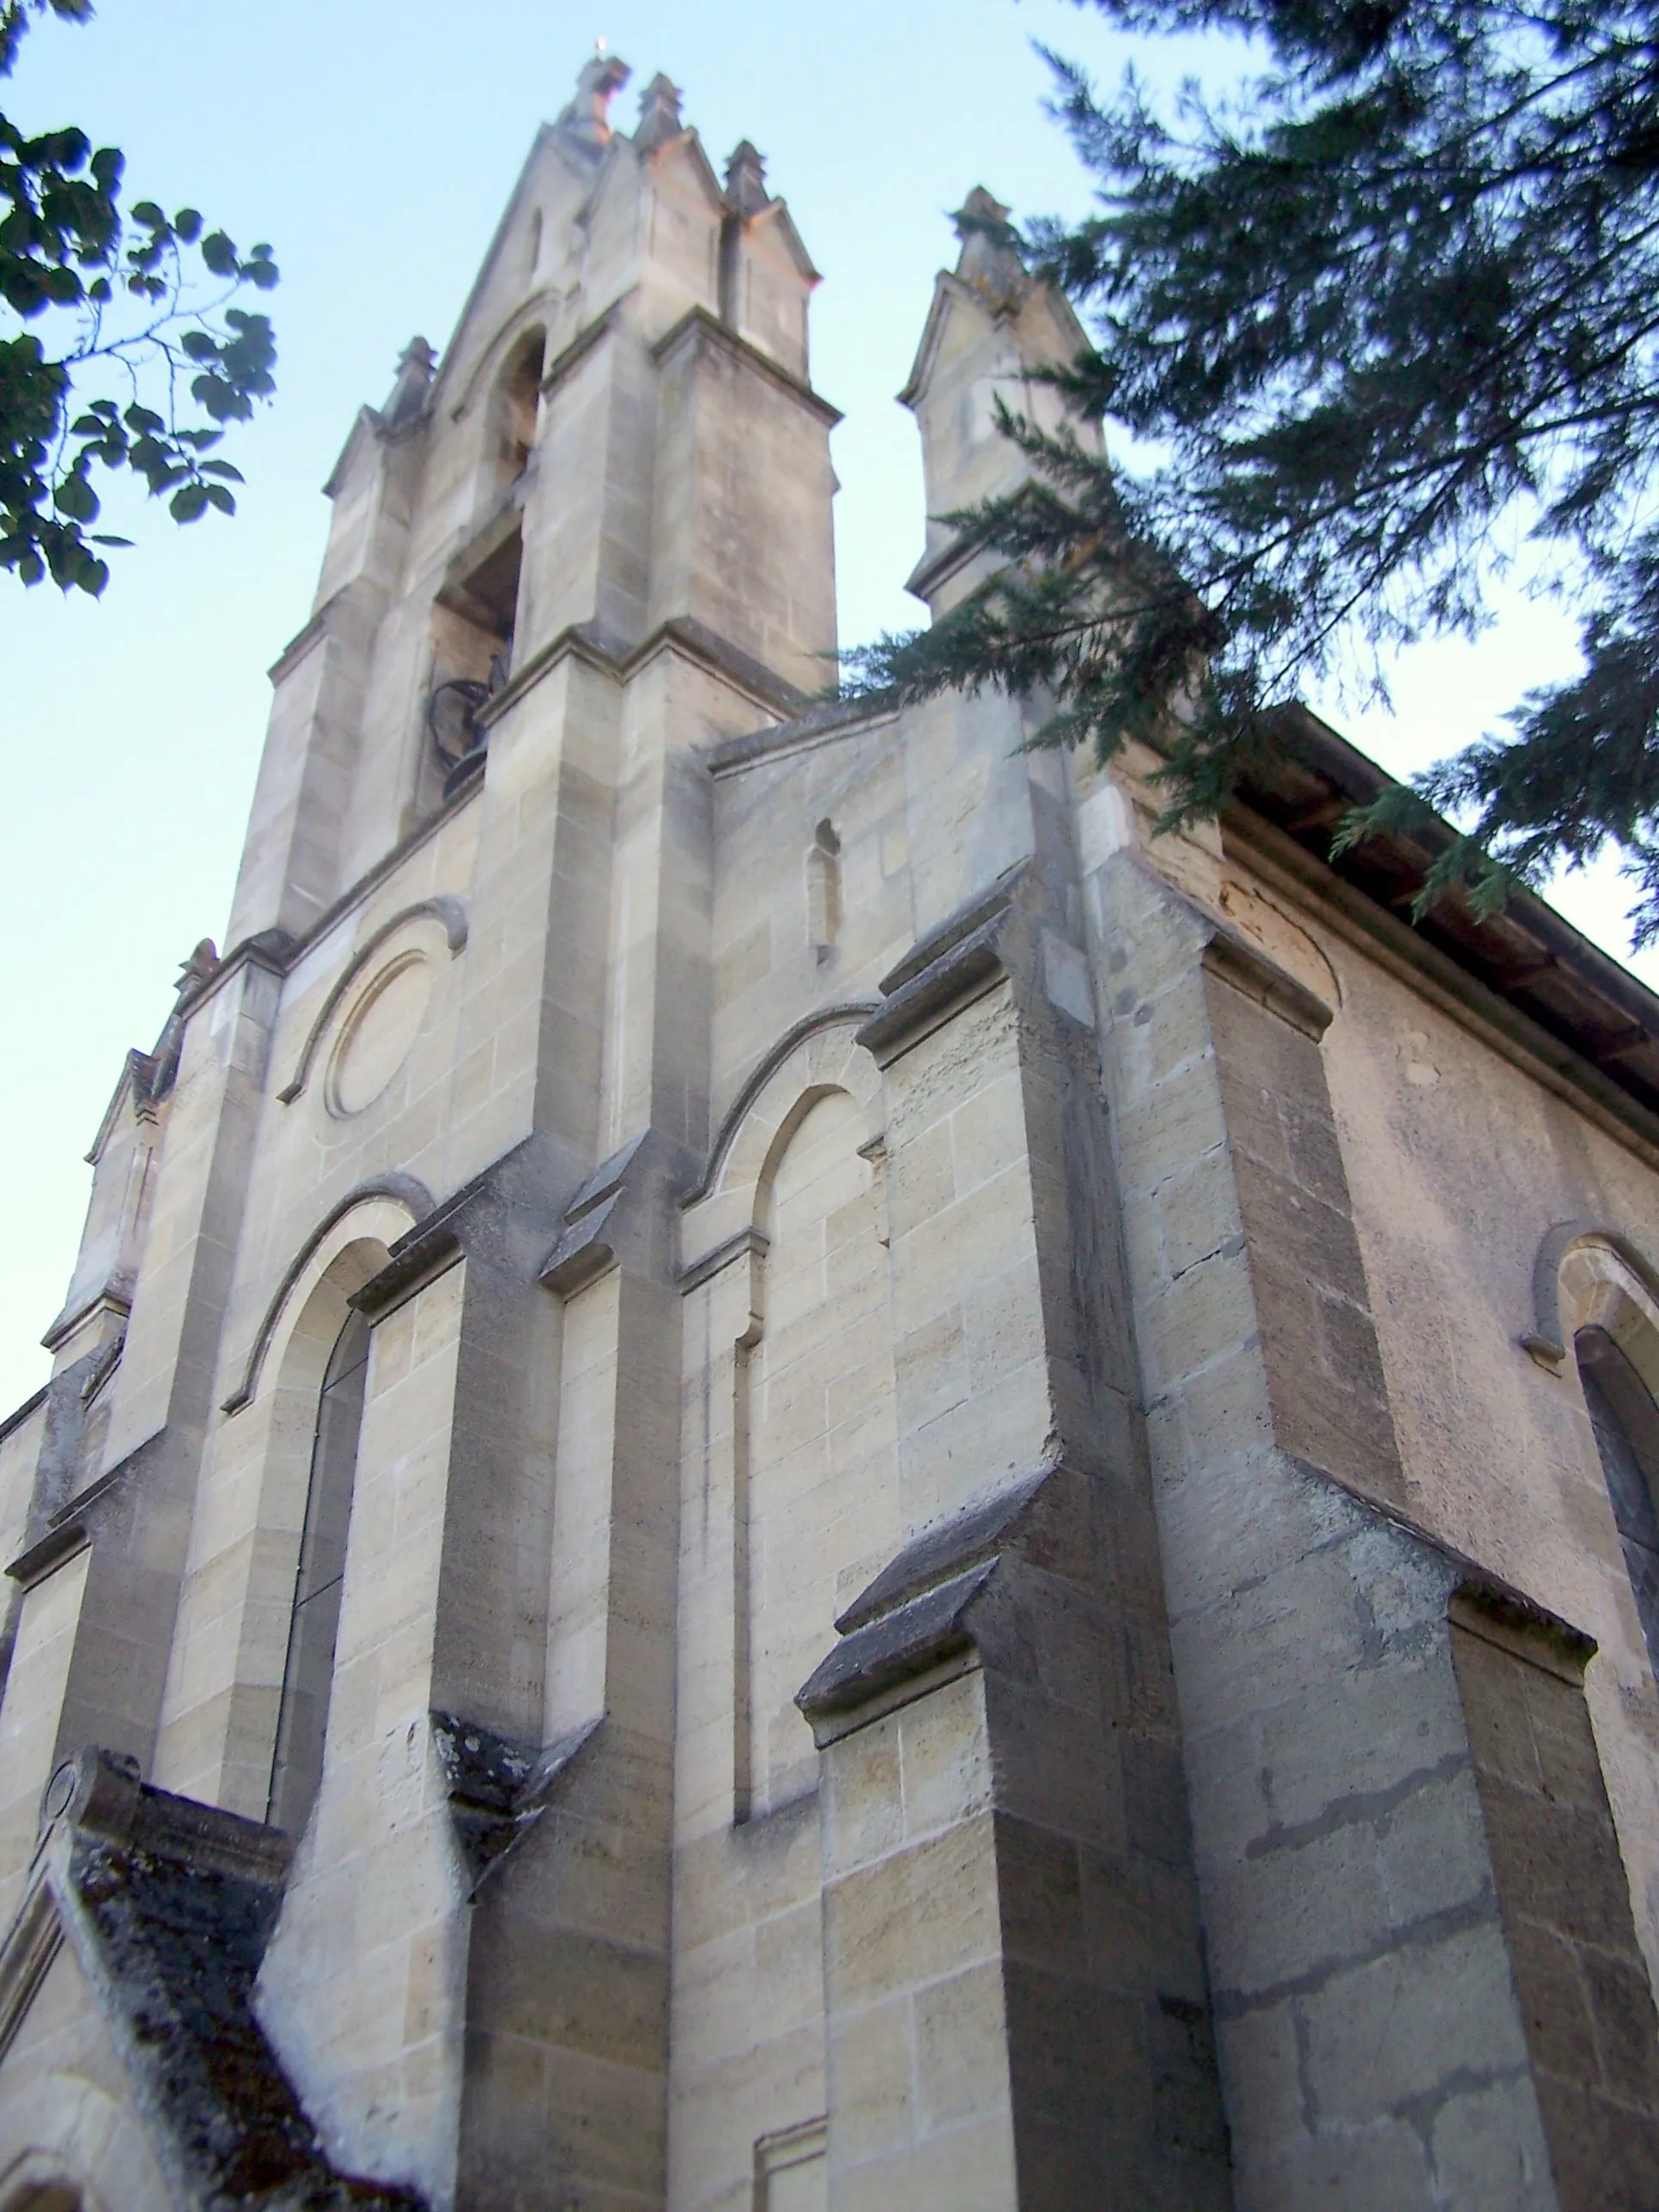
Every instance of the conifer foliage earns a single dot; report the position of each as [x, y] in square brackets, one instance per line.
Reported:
[1394, 306]
[137, 306]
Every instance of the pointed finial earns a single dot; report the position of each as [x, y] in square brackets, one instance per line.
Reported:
[415, 367]
[586, 118]
[197, 969]
[746, 180]
[659, 114]
[990, 258]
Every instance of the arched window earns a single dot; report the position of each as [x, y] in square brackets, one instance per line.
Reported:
[823, 890]
[309, 1676]
[818, 1437]
[1626, 1422]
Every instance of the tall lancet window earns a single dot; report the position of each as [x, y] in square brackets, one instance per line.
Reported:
[1625, 1421]
[308, 1677]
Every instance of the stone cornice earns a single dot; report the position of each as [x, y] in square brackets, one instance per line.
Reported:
[698, 325]
[819, 726]
[608, 656]
[1525, 955]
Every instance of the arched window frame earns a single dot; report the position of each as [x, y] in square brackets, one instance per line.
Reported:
[265, 1452]
[724, 1245]
[296, 1765]
[1592, 1281]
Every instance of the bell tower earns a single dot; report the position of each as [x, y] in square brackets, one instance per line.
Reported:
[619, 445]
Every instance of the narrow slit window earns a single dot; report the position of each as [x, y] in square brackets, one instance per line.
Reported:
[308, 1677]
[1625, 1423]
[823, 890]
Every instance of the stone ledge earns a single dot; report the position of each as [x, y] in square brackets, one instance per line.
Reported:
[698, 325]
[966, 973]
[907, 1650]
[908, 1631]
[1249, 971]
[584, 1253]
[498, 1790]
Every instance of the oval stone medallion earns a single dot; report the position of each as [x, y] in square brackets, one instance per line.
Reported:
[378, 1034]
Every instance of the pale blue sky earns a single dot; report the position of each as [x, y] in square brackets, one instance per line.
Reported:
[374, 142]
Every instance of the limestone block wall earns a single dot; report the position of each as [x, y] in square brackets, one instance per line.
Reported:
[787, 1498]
[66, 2118]
[1351, 1877]
[1459, 1161]
[1581, 1980]
[20, 1440]
[979, 1144]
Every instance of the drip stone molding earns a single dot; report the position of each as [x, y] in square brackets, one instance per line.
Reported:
[1546, 1339]
[823, 1018]
[403, 1189]
[447, 911]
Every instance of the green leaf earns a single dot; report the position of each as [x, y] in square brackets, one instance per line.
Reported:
[188, 225]
[219, 497]
[189, 503]
[75, 497]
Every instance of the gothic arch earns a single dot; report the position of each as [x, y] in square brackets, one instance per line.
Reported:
[1586, 1275]
[766, 1094]
[401, 1191]
[800, 1329]
[278, 1453]
[356, 1246]
[1597, 1315]
[542, 312]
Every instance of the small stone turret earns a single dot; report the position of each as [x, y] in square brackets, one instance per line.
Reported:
[990, 324]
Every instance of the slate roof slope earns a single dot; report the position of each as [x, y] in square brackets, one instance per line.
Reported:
[168, 1906]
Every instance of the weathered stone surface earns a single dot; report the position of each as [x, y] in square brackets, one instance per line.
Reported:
[968, 1566]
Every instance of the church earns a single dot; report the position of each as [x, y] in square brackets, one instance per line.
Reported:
[785, 1473]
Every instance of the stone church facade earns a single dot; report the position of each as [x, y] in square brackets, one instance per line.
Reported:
[783, 1471]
